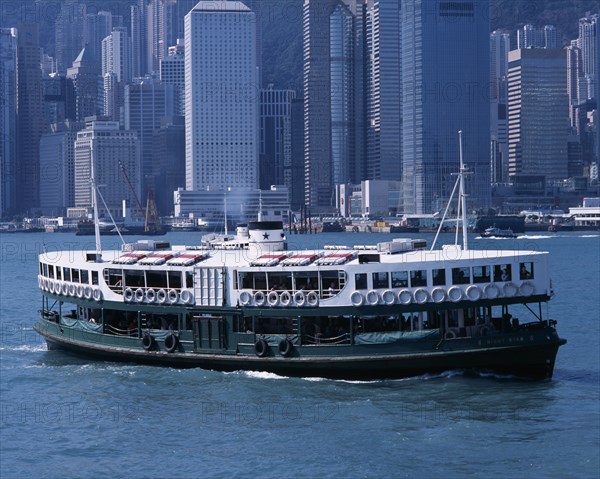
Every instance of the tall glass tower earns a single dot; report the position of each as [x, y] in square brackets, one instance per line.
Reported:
[445, 85]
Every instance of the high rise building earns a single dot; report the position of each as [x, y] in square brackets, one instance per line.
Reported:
[550, 36]
[96, 27]
[116, 157]
[221, 97]
[59, 99]
[116, 70]
[530, 36]
[139, 35]
[85, 81]
[384, 93]
[30, 114]
[147, 102]
[538, 115]
[275, 160]
[445, 81]
[588, 27]
[8, 119]
[573, 79]
[57, 168]
[172, 72]
[297, 127]
[68, 34]
[499, 48]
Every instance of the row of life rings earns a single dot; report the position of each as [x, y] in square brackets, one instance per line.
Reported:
[70, 289]
[439, 294]
[285, 348]
[161, 296]
[284, 299]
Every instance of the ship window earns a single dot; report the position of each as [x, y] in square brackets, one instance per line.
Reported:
[481, 274]
[50, 271]
[95, 277]
[45, 266]
[75, 275]
[85, 276]
[502, 272]
[360, 280]
[58, 272]
[156, 279]
[279, 281]
[439, 277]
[134, 278]
[189, 279]
[306, 280]
[330, 283]
[526, 271]
[42, 269]
[67, 274]
[418, 278]
[380, 280]
[175, 279]
[400, 279]
[461, 275]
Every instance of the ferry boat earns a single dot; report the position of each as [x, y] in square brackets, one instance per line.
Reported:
[494, 232]
[247, 302]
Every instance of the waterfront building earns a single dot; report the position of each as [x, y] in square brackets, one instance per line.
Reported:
[57, 168]
[116, 155]
[147, 102]
[275, 160]
[537, 113]
[445, 80]
[221, 97]
[8, 119]
[30, 115]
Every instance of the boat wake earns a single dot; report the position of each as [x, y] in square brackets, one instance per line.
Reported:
[37, 348]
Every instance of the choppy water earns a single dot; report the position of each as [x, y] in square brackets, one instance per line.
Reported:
[62, 417]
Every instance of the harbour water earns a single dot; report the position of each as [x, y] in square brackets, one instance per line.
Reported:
[65, 417]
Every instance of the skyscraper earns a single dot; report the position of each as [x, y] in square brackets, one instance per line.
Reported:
[538, 116]
[85, 80]
[588, 27]
[30, 110]
[68, 34]
[445, 82]
[499, 48]
[8, 119]
[172, 72]
[113, 150]
[139, 35]
[221, 97]
[116, 70]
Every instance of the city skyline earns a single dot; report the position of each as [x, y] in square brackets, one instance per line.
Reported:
[376, 99]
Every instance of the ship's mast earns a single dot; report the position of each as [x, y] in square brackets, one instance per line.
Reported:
[461, 193]
[95, 201]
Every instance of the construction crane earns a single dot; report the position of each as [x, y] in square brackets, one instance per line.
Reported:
[152, 223]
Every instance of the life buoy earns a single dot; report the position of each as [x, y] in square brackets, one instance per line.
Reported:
[421, 296]
[173, 296]
[128, 295]
[510, 290]
[148, 342]
[491, 291]
[186, 296]
[245, 298]
[150, 295]
[438, 295]
[299, 298]
[97, 294]
[87, 292]
[285, 298]
[286, 347]
[527, 288]
[64, 289]
[51, 286]
[405, 296]
[171, 343]
[80, 291]
[312, 299]
[72, 290]
[273, 298]
[450, 334]
[455, 294]
[139, 295]
[357, 298]
[161, 296]
[259, 298]
[45, 284]
[261, 348]
[474, 293]
[388, 297]
[372, 297]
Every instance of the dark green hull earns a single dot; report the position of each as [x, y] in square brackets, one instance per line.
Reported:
[524, 353]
